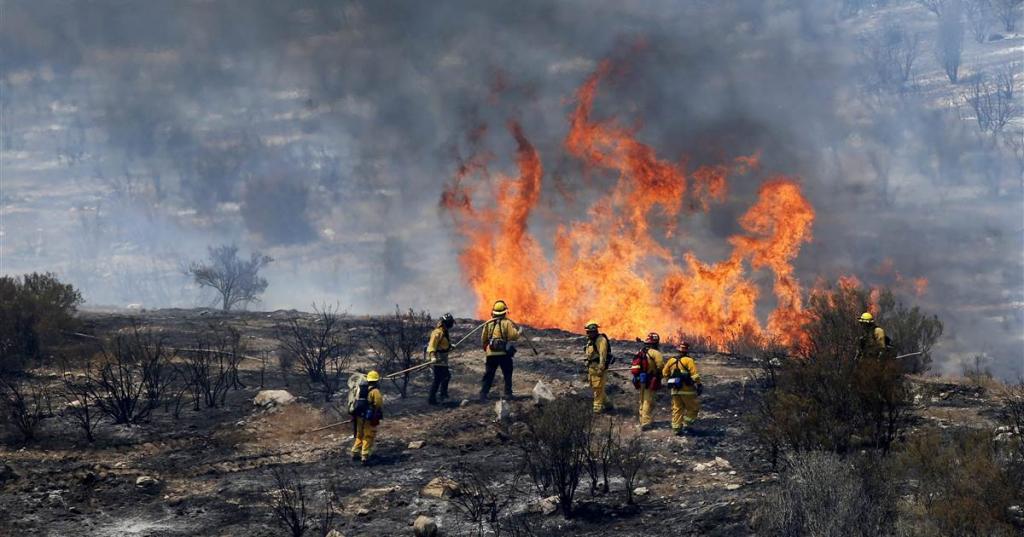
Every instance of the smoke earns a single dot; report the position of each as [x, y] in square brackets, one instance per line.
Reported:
[323, 133]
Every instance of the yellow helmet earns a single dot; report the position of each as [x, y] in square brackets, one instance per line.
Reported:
[866, 317]
[591, 325]
[372, 376]
[499, 309]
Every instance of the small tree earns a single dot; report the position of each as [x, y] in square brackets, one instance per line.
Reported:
[950, 41]
[320, 348]
[34, 309]
[78, 393]
[992, 100]
[979, 18]
[485, 494]
[554, 448]
[1007, 11]
[24, 405]
[890, 56]
[119, 381]
[296, 508]
[235, 279]
[630, 459]
[937, 7]
[398, 340]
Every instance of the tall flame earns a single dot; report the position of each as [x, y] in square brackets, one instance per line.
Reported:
[616, 264]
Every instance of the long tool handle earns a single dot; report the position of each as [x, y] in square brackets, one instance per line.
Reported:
[331, 425]
[409, 370]
[471, 332]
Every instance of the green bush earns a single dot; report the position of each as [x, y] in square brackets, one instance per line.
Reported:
[34, 309]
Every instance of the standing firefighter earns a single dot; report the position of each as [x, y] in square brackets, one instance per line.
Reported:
[646, 370]
[367, 411]
[873, 342]
[682, 377]
[437, 353]
[598, 353]
[496, 338]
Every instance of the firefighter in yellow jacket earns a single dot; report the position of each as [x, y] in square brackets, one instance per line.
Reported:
[651, 381]
[438, 348]
[681, 376]
[872, 342]
[368, 411]
[497, 339]
[597, 365]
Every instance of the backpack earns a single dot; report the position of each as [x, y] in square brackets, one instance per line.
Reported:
[359, 401]
[611, 357]
[679, 377]
[638, 368]
[497, 344]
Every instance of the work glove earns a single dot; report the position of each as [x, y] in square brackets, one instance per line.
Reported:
[700, 389]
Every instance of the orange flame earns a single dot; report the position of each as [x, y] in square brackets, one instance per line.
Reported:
[613, 265]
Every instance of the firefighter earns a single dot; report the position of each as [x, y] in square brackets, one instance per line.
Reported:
[497, 339]
[597, 356]
[368, 412]
[438, 348]
[872, 343]
[682, 377]
[652, 379]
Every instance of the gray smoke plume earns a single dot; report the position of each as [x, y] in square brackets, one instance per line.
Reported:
[323, 132]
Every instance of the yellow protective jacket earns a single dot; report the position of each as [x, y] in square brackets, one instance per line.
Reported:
[655, 362]
[682, 363]
[597, 352]
[498, 328]
[439, 346]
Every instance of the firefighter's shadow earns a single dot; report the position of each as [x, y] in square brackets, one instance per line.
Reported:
[706, 433]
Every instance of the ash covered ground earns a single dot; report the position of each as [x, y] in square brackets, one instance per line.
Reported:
[215, 466]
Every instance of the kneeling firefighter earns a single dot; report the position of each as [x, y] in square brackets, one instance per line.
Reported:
[496, 338]
[437, 353]
[684, 381]
[598, 355]
[367, 411]
[646, 370]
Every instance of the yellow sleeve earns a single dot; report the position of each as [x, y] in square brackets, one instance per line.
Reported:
[657, 360]
[485, 334]
[511, 331]
[375, 398]
[435, 340]
[667, 370]
[691, 366]
[880, 336]
[602, 351]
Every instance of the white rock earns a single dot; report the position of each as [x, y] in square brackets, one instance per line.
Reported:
[416, 444]
[732, 486]
[640, 491]
[272, 398]
[464, 402]
[334, 533]
[502, 410]
[147, 483]
[440, 487]
[424, 526]
[542, 393]
[722, 463]
[548, 505]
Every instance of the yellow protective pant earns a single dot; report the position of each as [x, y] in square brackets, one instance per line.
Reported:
[365, 434]
[596, 375]
[646, 406]
[685, 407]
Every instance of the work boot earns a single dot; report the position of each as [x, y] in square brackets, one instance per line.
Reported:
[432, 402]
[483, 397]
[355, 456]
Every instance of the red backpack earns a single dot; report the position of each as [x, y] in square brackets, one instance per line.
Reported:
[639, 367]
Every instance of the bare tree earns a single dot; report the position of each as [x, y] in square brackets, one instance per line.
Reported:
[485, 494]
[555, 447]
[78, 394]
[398, 340]
[992, 100]
[890, 56]
[119, 383]
[979, 18]
[1014, 141]
[295, 507]
[950, 40]
[1007, 11]
[24, 405]
[938, 7]
[209, 375]
[630, 458]
[601, 457]
[320, 348]
[235, 279]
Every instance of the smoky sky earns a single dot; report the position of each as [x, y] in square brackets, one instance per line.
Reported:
[324, 132]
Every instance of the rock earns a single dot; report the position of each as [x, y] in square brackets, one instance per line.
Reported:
[548, 505]
[732, 486]
[7, 475]
[541, 393]
[640, 491]
[272, 398]
[440, 487]
[722, 463]
[334, 533]
[502, 410]
[147, 484]
[463, 403]
[424, 526]
[362, 511]
[416, 444]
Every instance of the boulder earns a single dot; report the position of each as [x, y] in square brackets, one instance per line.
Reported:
[440, 487]
[6, 474]
[334, 533]
[640, 491]
[416, 444]
[548, 505]
[542, 393]
[424, 526]
[502, 410]
[272, 398]
[147, 484]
